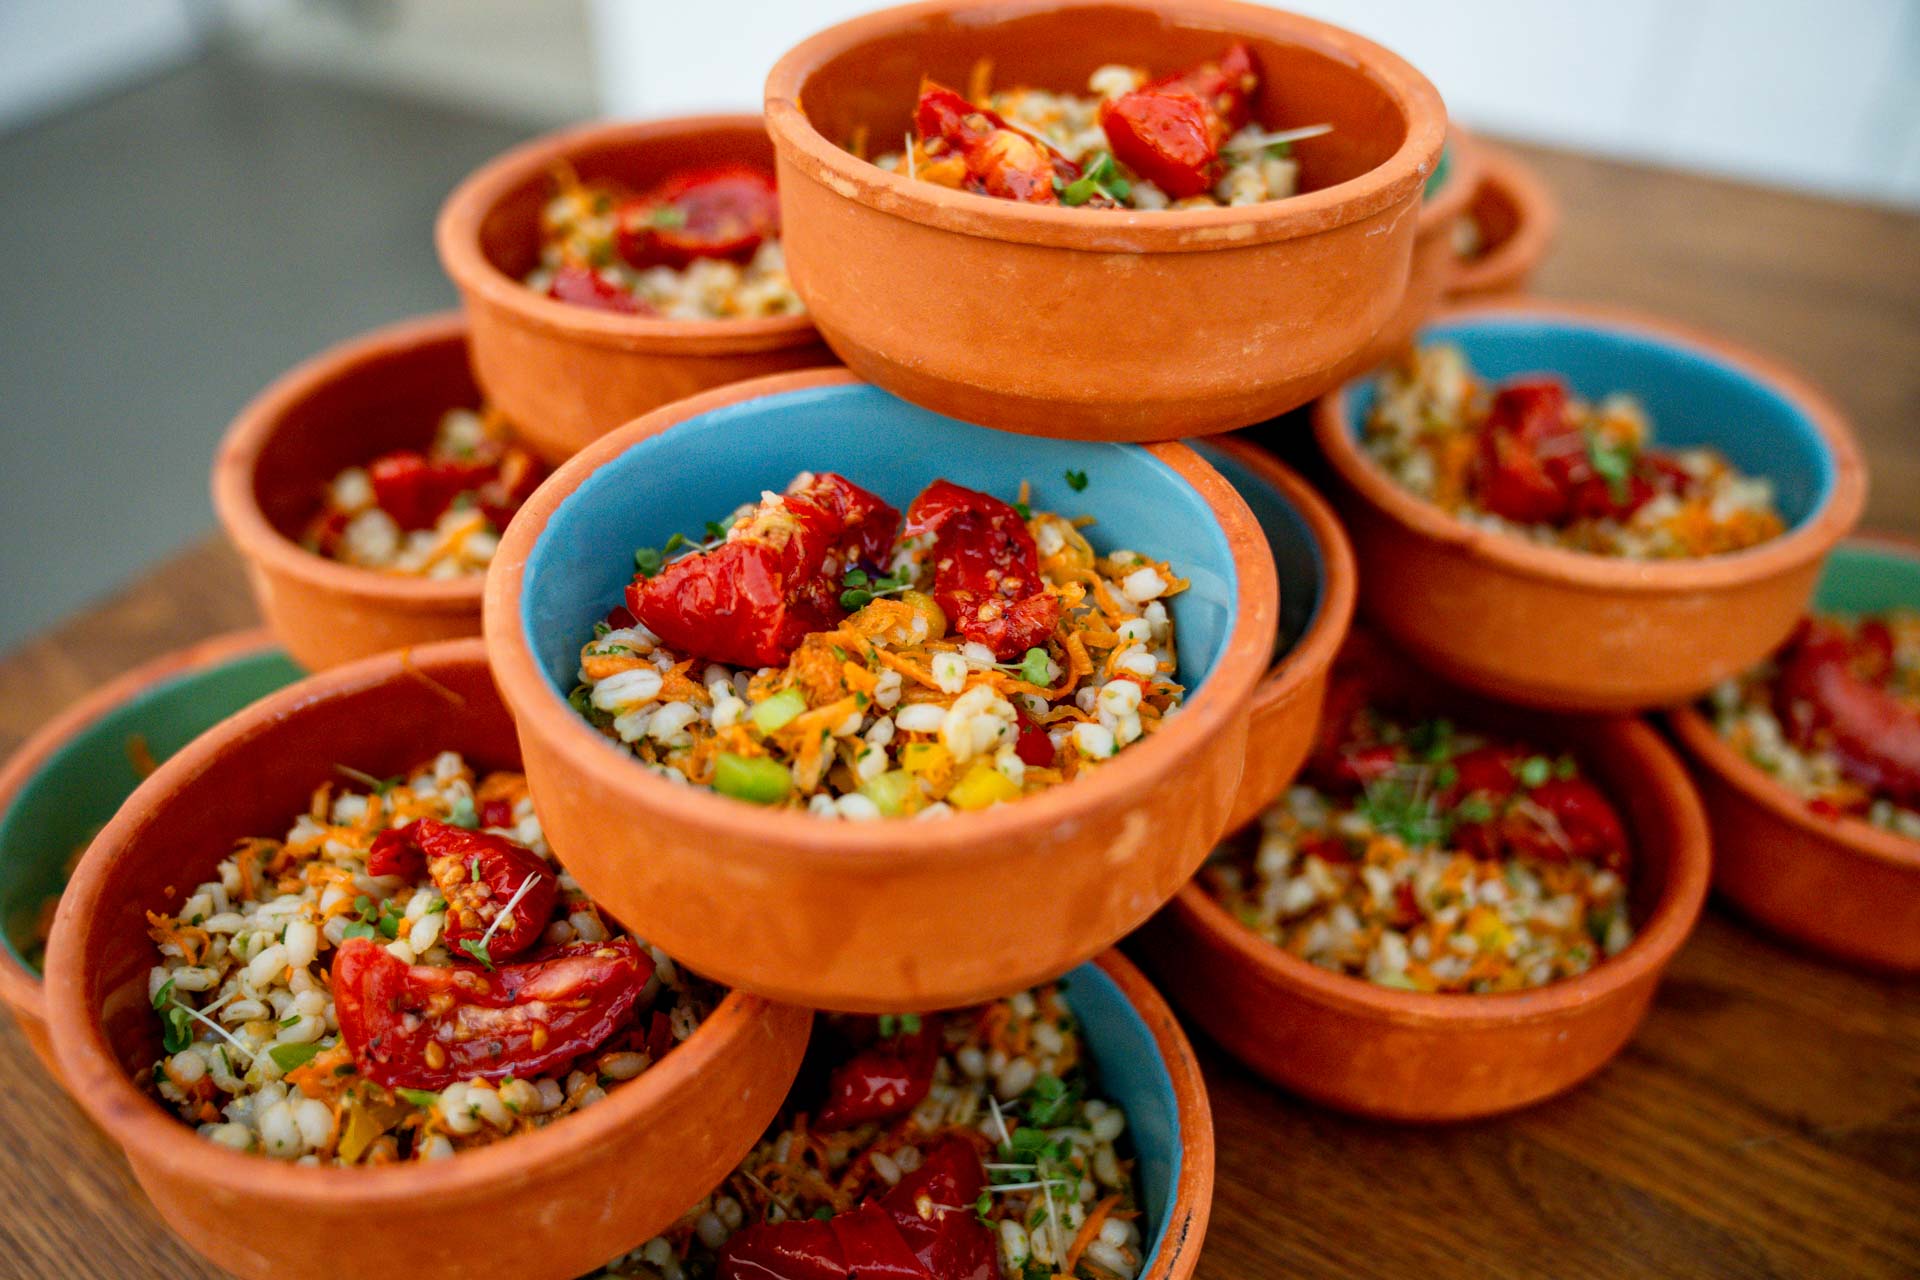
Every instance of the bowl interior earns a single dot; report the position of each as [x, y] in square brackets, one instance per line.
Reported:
[704, 467]
[1863, 578]
[1133, 1074]
[1695, 398]
[1495, 217]
[257, 780]
[390, 400]
[1296, 552]
[510, 228]
[60, 808]
[875, 83]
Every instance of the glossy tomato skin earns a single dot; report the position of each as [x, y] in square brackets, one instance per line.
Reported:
[1000, 161]
[986, 569]
[722, 211]
[582, 287]
[477, 873]
[523, 1019]
[1526, 425]
[751, 600]
[1171, 130]
[887, 1079]
[1832, 686]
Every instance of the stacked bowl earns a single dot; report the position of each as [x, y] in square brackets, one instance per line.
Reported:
[764, 760]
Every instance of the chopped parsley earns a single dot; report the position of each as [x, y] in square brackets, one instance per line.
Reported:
[1076, 480]
[289, 1056]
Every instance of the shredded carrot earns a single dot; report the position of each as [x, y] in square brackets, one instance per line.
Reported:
[1089, 1230]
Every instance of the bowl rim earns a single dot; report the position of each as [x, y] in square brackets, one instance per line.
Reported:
[1536, 222]
[1465, 174]
[456, 237]
[1799, 545]
[1192, 1192]
[786, 838]
[1653, 947]
[1385, 185]
[20, 987]
[1707, 750]
[1313, 651]
[237, 460]
[156, 1139]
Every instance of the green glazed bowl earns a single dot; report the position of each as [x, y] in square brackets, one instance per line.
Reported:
[69, 778]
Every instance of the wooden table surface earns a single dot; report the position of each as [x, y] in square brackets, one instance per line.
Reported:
[1766, 1122]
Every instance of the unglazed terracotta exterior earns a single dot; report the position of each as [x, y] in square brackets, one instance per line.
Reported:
[1435, 262]
[1518, 219]
[1192, 1200]
[21, 987]
[565, 374]
[1562, 630]
[1417, 1056]
[883, 916]
[345, 407]
[1286, 704]
[1099, 324]
[544, 1205]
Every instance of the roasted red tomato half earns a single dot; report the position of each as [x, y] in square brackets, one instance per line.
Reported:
[424, 1027]
[923, 1229]
[479, 874]
[1832, 686]
[986, 569]
[751, 600]
[887, 1078]
[725, 211]
[583, 287]
[417, 490]
[1000, 160]
[1170, 131]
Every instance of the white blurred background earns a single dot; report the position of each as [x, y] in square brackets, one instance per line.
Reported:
[199, 193]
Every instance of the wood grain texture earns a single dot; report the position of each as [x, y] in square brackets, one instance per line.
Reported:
[1766, 1122]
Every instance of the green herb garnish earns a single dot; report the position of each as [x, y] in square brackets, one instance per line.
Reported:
[1076, 480]
[1612, 463]
[425, 1098]
[1534, 771]
[475, 948]
[289, 1056]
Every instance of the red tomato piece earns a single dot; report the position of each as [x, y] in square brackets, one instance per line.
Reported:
[1487, 771]
[1526, 426]
[1171, 130]
[582, 287]
[1586, 818]
[986, 569]
[1821, 691]
[496, 813]
[1034, 746]
[478, 873]
[752, 599]
[798, 1249]
[424, 1027]
[888, 1078]
[724, 211]
[1000, 160]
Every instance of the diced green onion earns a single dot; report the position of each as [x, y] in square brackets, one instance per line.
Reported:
[889, 791]
[779, 710]
[424, 1098]
[756, 779]
[289, 1056]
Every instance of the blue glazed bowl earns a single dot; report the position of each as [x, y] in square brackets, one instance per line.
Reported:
[63, 785]
[887, 916]
[1145, 1064]
[1570, 631]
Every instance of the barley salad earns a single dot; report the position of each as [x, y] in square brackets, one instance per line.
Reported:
[973, 1142]
[1181, 141]
[404, 976]
[808, 652]
[1530, 460]
[1834, 717]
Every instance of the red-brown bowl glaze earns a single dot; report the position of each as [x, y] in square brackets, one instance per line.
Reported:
[1286, 704]
[1562, 630]
[545, 1205]
[889, 916]
[343, 408]
[1518, 218]
[1099, 324]
[566, 374]
[20, 987]
[1418, 1056]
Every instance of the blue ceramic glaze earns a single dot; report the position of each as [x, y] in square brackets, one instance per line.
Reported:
[82, 785]
[1130, 1071]
[1297, 556]
[703, 468]
[1694, 397]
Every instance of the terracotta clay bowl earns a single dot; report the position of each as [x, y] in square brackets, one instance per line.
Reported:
[1145, 1064]
[1099, 324]
[565, 374]
[1317, 587]
[1418, 1056]
[65, 781]
[1563, 630]
[1435, 256]
[1840, 886]
[1517, 218]
[385, 390]
[553, 1203]
[880, 916]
